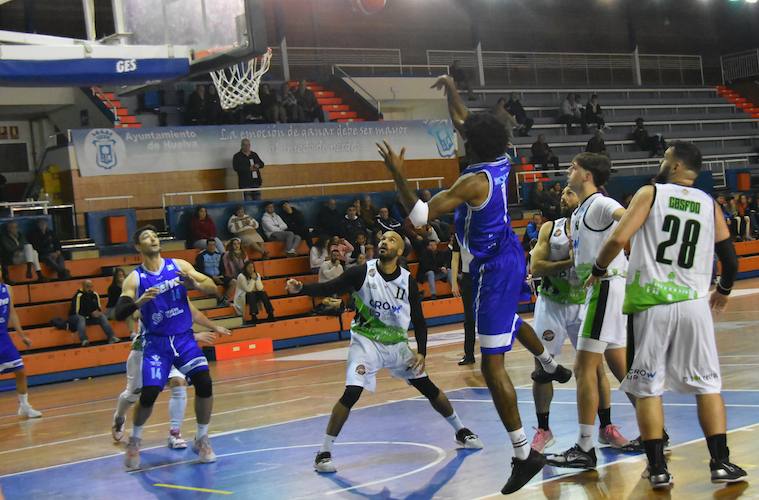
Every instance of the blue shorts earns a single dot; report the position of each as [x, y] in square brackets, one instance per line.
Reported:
[498, 285]
[10, 359]
[161, 352]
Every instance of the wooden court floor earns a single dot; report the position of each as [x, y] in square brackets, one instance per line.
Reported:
[266, 390]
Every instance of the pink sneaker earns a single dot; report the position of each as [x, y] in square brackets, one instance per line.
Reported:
[611, 436]
[542, 440]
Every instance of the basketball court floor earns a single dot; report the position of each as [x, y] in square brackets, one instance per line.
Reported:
[271, 412]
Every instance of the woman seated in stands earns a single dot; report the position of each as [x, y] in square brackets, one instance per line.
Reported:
[318, 254]
[114, 292]
[245, 227]
[233, 263]
[742, 217]
[343, 247]
[203, 229]
[250, 290]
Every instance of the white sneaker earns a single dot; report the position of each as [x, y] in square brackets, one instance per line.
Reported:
[203, 448]
[323, 462]
[28, 411]
[132, 455]
[468, 439]
[176, 442]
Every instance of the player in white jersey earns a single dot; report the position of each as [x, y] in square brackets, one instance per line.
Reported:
[177, 383]
[387, 300]
[557, 316]
[603, 333]
[675, 230]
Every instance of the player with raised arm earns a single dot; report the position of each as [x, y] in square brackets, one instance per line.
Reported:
[387, 301]
[498, 268]
[158, 289]
[675, 229]
[177, 383]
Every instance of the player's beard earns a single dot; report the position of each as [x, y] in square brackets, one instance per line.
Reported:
[566, 211]
[663, 175]
[386, 257]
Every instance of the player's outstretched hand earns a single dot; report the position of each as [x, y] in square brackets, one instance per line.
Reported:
[417, 364]
[592, 280]
[717, 302]
[205, 337]
[147, 296]
[393, 161]
[221, 330]
[293, 286]
[443, 82]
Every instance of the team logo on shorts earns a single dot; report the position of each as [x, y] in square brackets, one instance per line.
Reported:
[548, 335]
[361, 369]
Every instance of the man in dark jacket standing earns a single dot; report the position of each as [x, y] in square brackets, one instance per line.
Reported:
[85, 310]
[248, 165]
[44, 240]
[352, 225]
[329, 221]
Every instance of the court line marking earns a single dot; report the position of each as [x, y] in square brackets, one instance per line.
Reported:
[192, 488]
[737, 405]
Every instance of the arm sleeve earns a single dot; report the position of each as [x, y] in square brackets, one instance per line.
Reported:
[352, 279]
[258, 161]
[725, 251]
[420, 325]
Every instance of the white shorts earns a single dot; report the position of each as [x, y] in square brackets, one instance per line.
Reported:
[554, 322]
[603, 324]
[674, 349]
[134, 372]
[366, 357]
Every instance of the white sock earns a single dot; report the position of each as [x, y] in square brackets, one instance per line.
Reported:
[122, 405]
[202, 431]
[455, 421]
[547, 362]
[585, 438]
[177, 405]
[23, 399]
[327, 444]
[520, 444]
[137, 432]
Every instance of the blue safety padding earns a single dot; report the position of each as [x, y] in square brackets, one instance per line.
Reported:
[87, 72]
[95, 223]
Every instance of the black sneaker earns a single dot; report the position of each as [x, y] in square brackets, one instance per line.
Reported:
[523, 470]
[573, 458]
[725, 472]
[468, 439]
[323, 462]
[659, 479]
[466, 361]
[561, 375]
[636, 445]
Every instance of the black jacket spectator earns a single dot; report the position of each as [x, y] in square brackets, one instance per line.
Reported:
[352, 225]
[196, 106]
[543, 155]
[514, 106]
[329, 220]
[308, 103]
[295, 221]
[386, 223]
[596, 144]
[84, 303]
[248, 166]
[430, 260]
[594, 113]
[45, 242]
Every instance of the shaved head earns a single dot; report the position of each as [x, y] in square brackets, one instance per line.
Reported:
[391, 246]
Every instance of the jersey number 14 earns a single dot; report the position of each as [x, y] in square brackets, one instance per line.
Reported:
[687, 253]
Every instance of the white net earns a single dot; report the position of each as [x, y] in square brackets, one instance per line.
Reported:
[238, 84]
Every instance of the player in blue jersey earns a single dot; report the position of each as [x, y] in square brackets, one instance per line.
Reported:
[158, 288]
[479, 199]
[10, 359]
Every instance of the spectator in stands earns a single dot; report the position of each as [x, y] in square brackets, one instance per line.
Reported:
[196, 106]
[232, 263]
[245, 227]
[594, 113]
[248, 165]
[596, 143]
[213, 110]
[360, 260]
[319, 253]
[271, 105]
[542, 154]
[654, 144]
[369, 252]
[114, 292]
[368, 213]
[571, 113]
[530, 238]
[514, 106]
[275, 229]
[202, 228]
[540, 197]
[250, 290]
[727, 214]
[296, 222]
[352, 225]
[329, 221]
[507, 119]
[743, 217]
[15, 249]
[343, 246]
[44, 240]
[209, 263]
[386, 223]
[331, 268]
[462, 81]
[308, 103]
[85, 310]
[434, 264]
[359, 248]
[290, 103]
[552, 209]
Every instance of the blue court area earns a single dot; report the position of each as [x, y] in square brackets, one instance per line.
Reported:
[401, 449]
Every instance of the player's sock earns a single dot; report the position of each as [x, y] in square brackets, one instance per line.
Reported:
[717, 446]
[542, 421]
[520, 444]
[547, 362]
[585, 438]
[604, 417]
[327, 444]
[655, 453]
[177, 405]
[455, 421]
[202, 431]
[137, 432]
[23, 399]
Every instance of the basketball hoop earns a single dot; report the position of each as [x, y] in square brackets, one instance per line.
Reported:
[238, 84]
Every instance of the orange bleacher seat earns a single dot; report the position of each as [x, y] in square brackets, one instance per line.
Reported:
[47, 337]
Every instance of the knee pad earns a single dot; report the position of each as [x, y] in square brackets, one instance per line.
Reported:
[351, 395]
[203, 385]
[426, 387]
[148, 395]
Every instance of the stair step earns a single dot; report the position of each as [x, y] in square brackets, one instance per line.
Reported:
[334, 115]
[111, 96]
[336, 107]
[122, 111]
[348, 120]
[324, 93]
[207, 303]
[128, 119]
[329, 100]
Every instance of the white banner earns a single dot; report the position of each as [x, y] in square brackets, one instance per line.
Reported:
[167, 149]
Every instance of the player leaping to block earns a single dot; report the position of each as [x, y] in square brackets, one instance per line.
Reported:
[387, 300]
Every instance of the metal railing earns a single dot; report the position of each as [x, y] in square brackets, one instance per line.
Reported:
[357, 88]
[418, 70]
[303, 62]
[739, 65]
[127, 197]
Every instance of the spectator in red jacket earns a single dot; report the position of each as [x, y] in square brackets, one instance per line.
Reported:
[203, 229]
